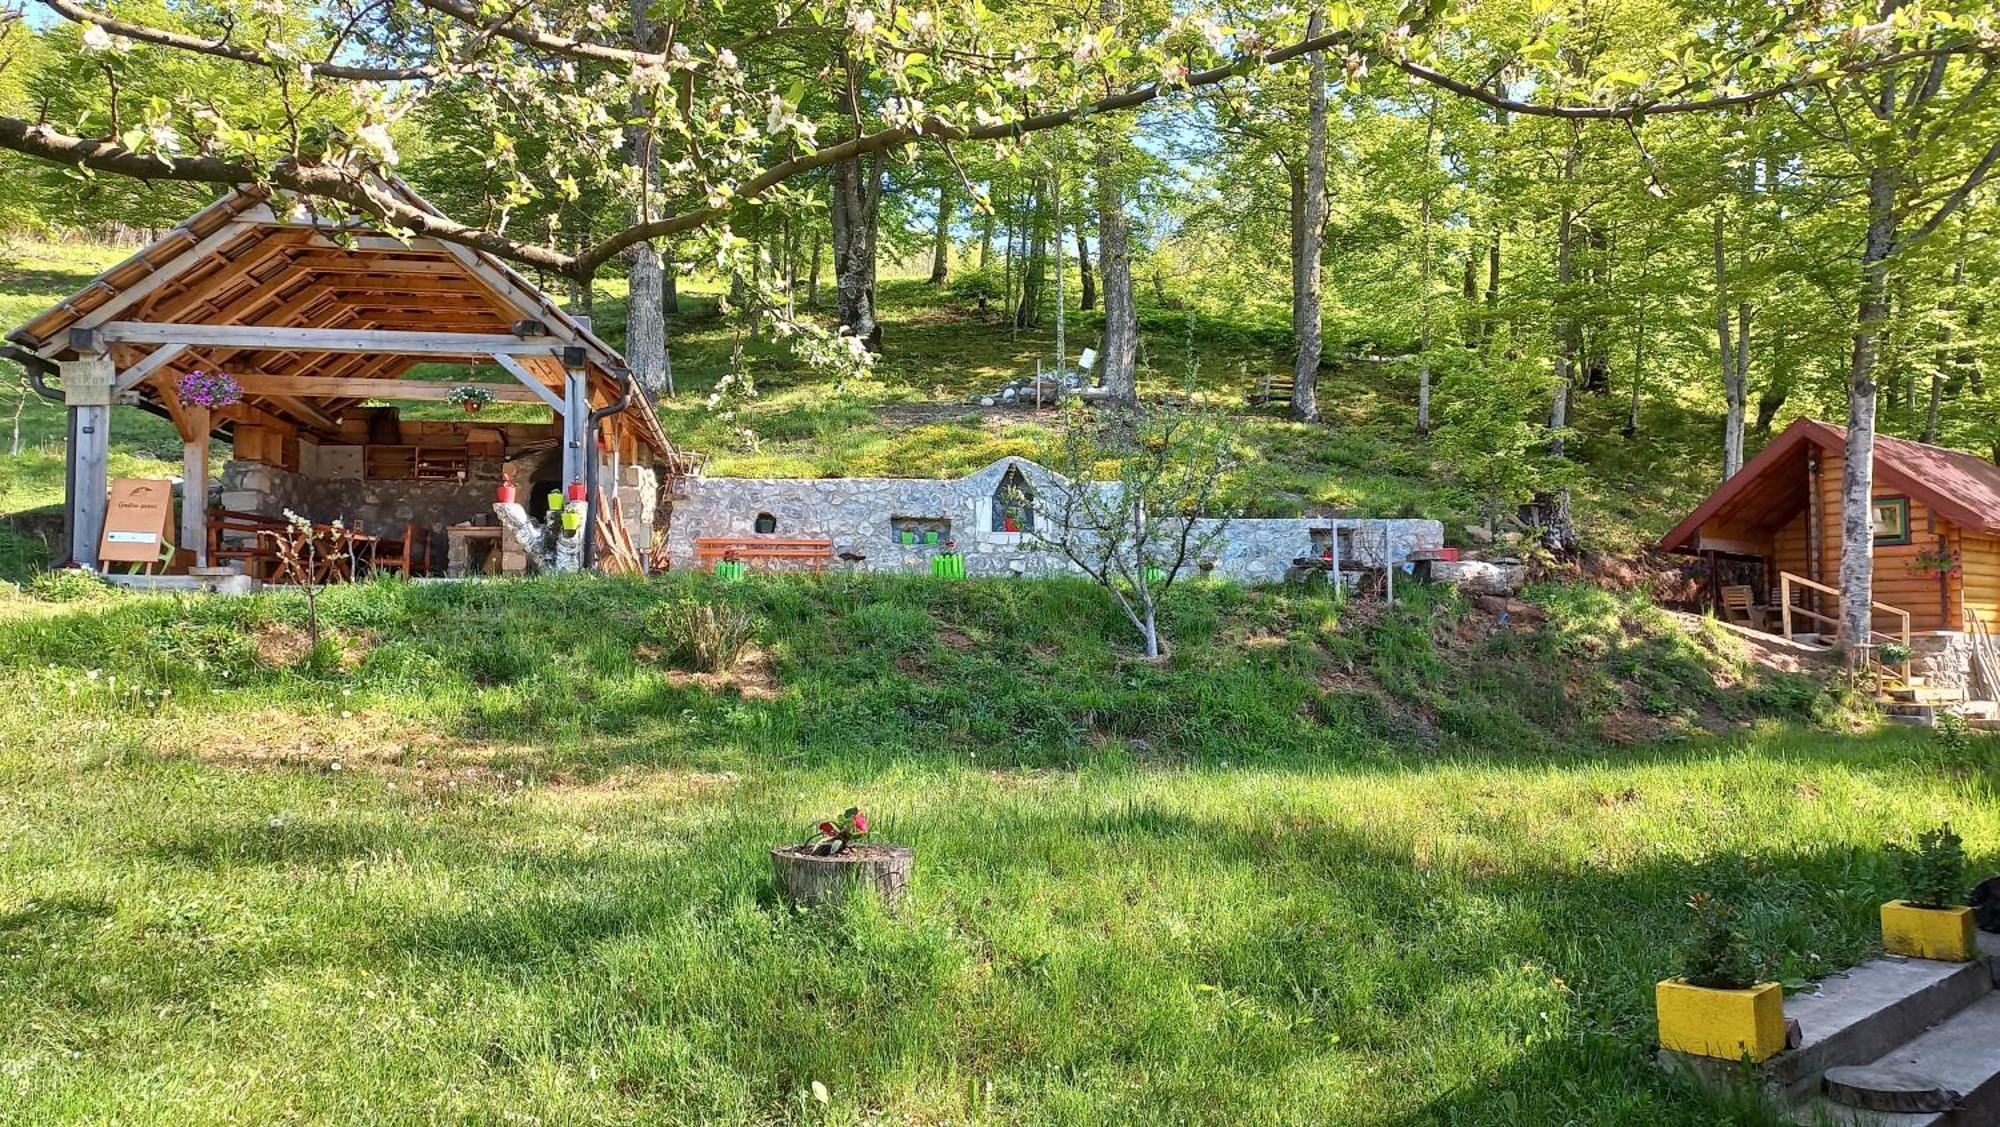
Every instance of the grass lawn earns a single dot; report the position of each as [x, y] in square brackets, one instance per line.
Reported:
[482, 859]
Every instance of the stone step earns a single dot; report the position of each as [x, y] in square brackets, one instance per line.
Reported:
[1961, 1055]
[1856, 1017]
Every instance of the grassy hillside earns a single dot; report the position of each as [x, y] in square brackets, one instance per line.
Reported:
[483, 857]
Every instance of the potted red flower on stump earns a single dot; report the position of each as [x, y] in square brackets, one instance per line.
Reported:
[832, 862]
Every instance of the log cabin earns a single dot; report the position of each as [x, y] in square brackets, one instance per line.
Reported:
[1776, 527]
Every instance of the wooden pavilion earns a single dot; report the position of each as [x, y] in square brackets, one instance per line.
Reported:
[1775, 528]
[319, 323]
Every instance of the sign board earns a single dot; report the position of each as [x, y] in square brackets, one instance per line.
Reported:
[135, 527]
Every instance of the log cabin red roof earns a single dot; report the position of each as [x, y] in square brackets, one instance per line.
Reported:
[1963, 488]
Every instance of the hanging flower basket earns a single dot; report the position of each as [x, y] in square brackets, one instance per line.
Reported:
[470, 398]
[212, 390]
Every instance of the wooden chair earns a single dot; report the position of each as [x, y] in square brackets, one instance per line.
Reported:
[235, 536]
[408, 555]
[1738, 607]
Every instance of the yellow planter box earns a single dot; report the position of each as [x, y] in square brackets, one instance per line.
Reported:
[1730, 1024]
[1928, 933]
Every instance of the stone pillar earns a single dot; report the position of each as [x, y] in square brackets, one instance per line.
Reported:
[87, 386]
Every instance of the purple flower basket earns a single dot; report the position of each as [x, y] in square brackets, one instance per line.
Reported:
[209, 389]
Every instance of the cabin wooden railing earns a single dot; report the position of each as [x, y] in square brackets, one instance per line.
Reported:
[1786, 610]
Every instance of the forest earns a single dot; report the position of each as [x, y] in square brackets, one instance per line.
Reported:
[1742, 212]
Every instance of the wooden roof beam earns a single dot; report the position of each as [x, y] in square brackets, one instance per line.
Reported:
[274, 338]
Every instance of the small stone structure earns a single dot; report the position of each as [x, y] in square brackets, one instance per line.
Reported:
[876, 517]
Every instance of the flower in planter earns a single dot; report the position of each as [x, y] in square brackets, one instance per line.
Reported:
[1934, 562]
[470, 397]
[1931, 922]
[1717, 956]
[1718, 1007]
[209, 389]
[1892, 653]
[829, 838]
[1934, 871]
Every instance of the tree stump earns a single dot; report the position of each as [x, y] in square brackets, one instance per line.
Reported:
[807, 879]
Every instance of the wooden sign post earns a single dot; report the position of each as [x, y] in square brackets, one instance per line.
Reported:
[137, 523]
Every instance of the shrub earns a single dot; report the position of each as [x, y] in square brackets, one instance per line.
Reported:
[1934, 871]
[699, 636]
[1717, 956]
[70, 585]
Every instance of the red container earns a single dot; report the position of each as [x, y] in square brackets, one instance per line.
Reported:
[578, 491]
[507, 491]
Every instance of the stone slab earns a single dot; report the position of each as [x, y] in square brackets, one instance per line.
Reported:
[1856, 1017]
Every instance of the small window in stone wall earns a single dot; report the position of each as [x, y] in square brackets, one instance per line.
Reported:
[766, 524]
[919, 531]
[1323, 540]
[1013, 503]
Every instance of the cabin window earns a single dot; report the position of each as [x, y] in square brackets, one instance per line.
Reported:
[1013, 503]
[765, 524]
[1892, 520]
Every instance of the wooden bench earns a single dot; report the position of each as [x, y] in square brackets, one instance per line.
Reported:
[811, 554]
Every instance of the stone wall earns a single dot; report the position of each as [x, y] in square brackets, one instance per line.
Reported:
[1942, 658]
[862, 515]
[378, 507]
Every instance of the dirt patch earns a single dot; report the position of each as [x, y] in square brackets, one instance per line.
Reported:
[956, 639]
[754, 678]
[281, 645]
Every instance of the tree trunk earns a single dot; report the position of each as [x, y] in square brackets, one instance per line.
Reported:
[645, 310]
[1734, 390]
[1121, 319]
[1310, 214]
[1088, 294]
[1857, 471]
[1424, 282]
[1559, 530]
[1028, 314]
[857, 198]
[986, 237]
[812, 272]
[941, 241]
[807, 880]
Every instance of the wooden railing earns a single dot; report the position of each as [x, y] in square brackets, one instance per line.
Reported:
[1786, 610]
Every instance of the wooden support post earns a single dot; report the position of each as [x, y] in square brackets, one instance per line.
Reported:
[87, 386]
[576, 424]
[194, 484]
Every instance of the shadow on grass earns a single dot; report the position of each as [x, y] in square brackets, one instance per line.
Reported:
[1520, 996]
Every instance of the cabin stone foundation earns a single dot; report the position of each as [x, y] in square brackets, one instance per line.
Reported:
[1942, 658]
[873, 517]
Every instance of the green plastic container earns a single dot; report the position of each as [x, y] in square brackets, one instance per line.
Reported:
[1156, 575]
[948, 566]
[729, 571]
